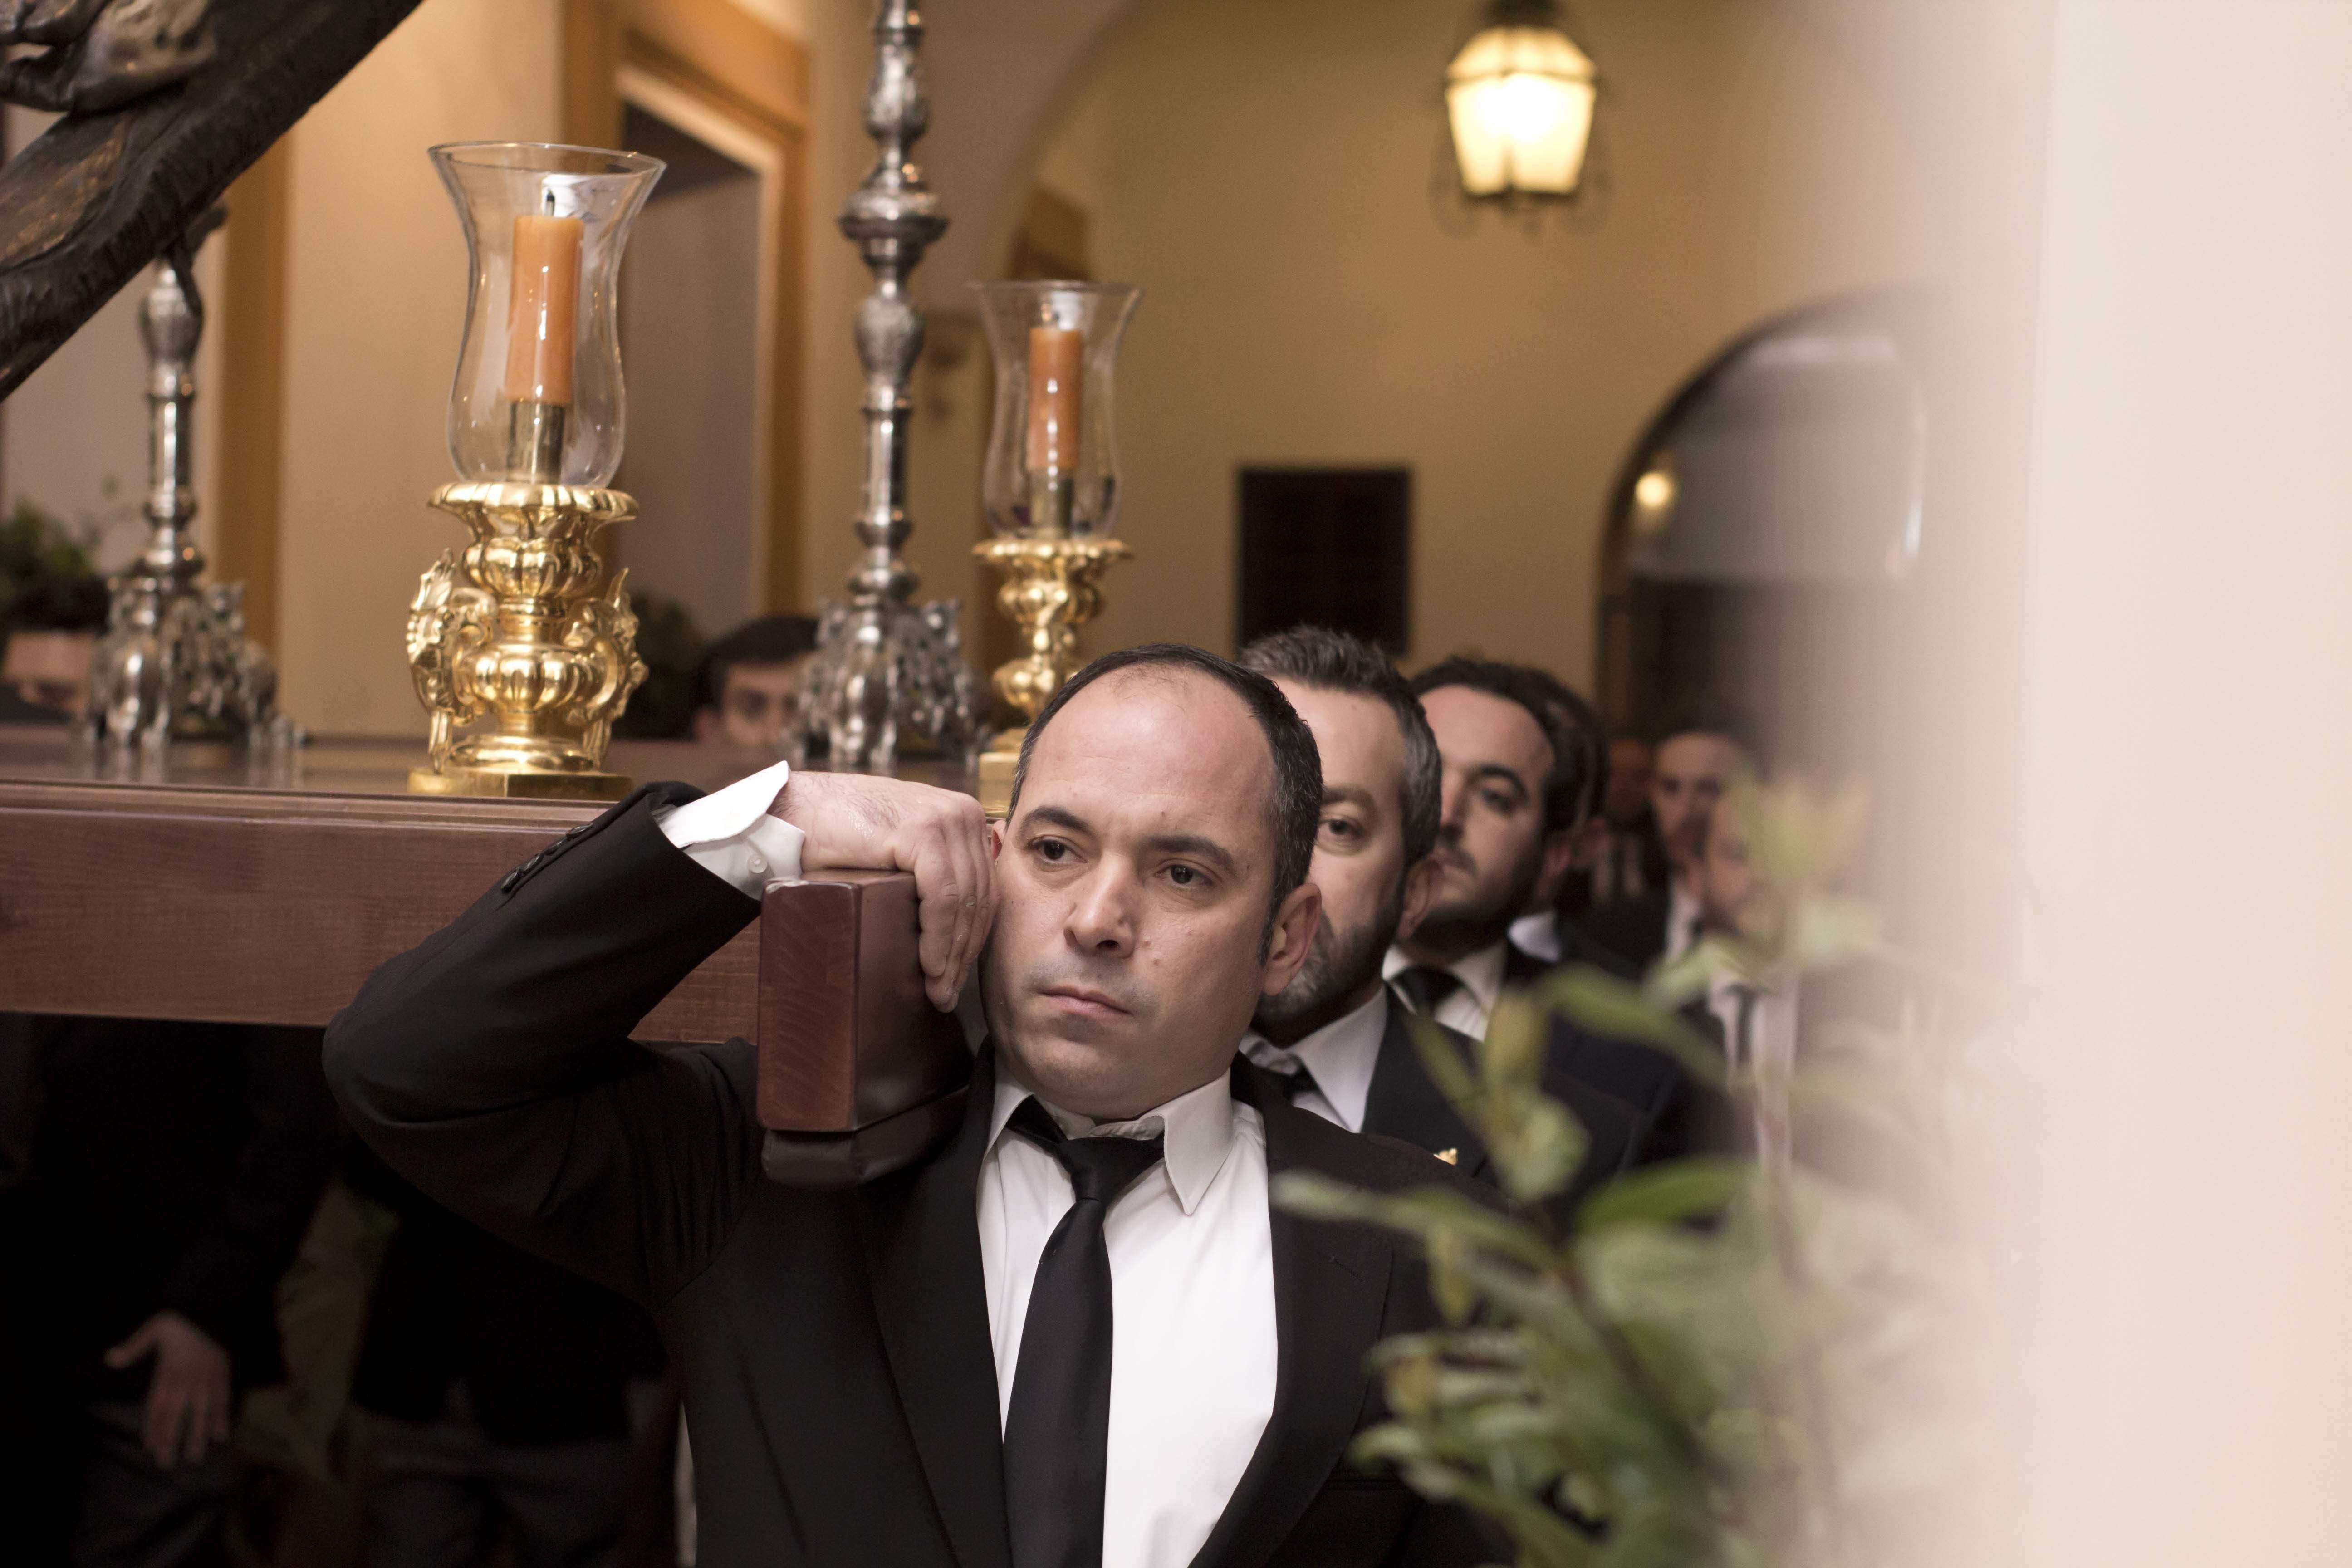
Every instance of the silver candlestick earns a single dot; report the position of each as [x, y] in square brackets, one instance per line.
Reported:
[174, 663]
[886, 668]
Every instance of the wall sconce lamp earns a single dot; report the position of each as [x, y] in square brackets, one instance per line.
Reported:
[1520, 98]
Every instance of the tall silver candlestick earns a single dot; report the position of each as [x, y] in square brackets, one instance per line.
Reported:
[174, 663]
[886, 668]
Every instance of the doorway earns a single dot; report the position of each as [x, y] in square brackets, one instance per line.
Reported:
[690, 296]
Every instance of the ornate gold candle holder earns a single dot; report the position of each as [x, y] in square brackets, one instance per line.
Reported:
[518, 631]
[519, 627]
[1049, 592]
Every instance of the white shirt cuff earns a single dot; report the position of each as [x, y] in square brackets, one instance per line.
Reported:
[731, 835]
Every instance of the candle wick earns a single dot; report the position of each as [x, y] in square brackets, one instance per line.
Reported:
[549, 196]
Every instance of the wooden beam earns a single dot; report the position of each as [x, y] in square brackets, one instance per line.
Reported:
[262, 907]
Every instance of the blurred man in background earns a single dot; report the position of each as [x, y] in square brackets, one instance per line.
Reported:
[52, 630]
[747, 691]
[1627, 860]
[1697, 750]
[1516, 776]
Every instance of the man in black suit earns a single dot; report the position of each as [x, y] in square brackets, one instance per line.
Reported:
[1698, 747]
[1626, 859]
[1517, 777]
[1336, 1037]
[929, 1369]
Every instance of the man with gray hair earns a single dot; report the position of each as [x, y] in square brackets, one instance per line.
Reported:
[1336, 1038]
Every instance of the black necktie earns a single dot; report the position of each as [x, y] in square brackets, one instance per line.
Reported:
[1425, 987]
[1057, 1428]
[1297, 1081]
[1743, 1027]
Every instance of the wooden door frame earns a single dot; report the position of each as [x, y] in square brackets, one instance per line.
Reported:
[737, 69]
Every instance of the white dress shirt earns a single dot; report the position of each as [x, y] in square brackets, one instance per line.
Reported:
[1193, 1340]
[1480, 974]
[1537, 936]
[1340, 1056]
[1192, 1326]
[730, 833]
[1682, 917]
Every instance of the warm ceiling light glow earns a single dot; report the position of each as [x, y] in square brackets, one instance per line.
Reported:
[1653, 496]
[1520, 96]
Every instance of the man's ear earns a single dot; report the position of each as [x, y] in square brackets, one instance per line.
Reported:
[1294, 933]
[995, 839]
[706, 725]
[1420, 887]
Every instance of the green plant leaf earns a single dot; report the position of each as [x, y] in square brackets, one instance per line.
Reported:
[1683, 1190]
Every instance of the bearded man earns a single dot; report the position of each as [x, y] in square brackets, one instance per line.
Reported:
[1338, 1041]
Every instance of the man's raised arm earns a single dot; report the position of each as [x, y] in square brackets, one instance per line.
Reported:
[492, 1064]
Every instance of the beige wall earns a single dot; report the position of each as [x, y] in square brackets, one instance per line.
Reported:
[375, 304]
[1265, 174]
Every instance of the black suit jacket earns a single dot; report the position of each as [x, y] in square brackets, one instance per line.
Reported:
[544, 1355]
[1522, 968]
[1406, 1104]
[1633, 929]
[834, 1347]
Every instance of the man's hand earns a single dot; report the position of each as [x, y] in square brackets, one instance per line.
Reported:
[188, 1398]
[855, 822]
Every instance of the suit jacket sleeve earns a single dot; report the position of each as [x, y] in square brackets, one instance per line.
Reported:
[283, 1163]
[492, 1064]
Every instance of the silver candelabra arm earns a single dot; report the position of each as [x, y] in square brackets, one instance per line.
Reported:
[174, 663]
[886, 668]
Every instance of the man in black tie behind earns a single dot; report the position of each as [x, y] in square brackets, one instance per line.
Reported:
[1078, 1334]
[1698, 747]
[1336, 1038]
[1516, 778]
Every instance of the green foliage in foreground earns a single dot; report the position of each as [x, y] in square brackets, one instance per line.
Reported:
[1728, 1362]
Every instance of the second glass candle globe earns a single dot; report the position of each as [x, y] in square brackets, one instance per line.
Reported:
[1052, 470]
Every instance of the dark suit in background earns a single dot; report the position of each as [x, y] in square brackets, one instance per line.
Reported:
[1406, 1104]
[502, 1385]
[1635, 929]
[168, 1166]
[834, 1347]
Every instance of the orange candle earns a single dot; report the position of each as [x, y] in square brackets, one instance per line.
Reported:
[1056, 356]
[541, 309]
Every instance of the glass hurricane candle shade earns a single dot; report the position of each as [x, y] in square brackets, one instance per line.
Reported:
[537, 396]
[1053, 458]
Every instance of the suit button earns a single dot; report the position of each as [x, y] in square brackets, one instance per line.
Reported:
[759, 863]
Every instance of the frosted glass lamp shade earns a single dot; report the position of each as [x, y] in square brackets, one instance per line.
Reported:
[1520, 98]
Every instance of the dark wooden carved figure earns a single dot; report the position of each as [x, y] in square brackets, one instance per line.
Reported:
[165, 103]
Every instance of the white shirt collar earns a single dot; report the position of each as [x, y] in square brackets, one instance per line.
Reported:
[1537, 935]
[1196, 1130]
[1341, 1056]
[1481, 973]
[1683, 913]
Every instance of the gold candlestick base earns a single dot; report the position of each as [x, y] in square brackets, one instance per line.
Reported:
[1049, 592]
[514, 629]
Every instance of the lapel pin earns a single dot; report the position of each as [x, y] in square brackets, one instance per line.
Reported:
[1451, 1156]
